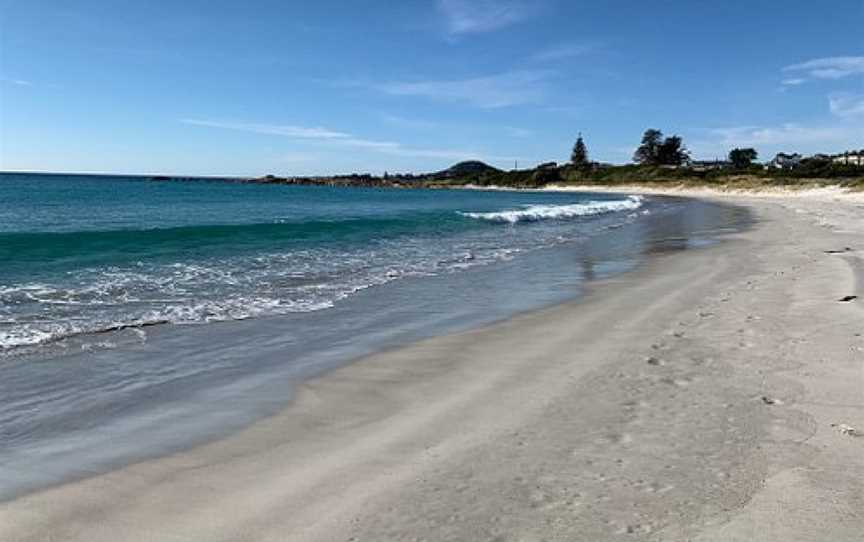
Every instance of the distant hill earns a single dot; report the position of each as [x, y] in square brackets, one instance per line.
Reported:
[469, 169]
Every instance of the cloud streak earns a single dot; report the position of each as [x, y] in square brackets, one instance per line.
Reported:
[477, 16]
[793, 82]
[298, 132]
[787, 137]
[836, 67]
[846, 105]
[492, 92]
[334, 138]
[785, 134]
[18, 82]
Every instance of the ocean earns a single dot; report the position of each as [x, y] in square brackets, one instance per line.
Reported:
[139, 317]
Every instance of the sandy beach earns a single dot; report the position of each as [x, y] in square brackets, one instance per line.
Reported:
[712, 395]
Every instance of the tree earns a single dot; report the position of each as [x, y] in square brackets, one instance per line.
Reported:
[742, 158]
[542, 177]
[579, 156]
[649, 151]
[672, 152]
[657, 151]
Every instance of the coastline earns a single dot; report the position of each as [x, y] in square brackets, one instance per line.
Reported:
[67, 414]
[716, 193]
[719, 192]
[640, 409]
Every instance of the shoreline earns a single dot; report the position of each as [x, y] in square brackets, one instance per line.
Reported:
[682, 189]
[730, 184]
[671, 189]
[412, 441]
[281, 355]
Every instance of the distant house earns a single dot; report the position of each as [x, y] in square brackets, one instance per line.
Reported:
[852, 158]
[785, 161]
[548, 165]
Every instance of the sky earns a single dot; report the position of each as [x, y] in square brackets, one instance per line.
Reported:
[302, 88]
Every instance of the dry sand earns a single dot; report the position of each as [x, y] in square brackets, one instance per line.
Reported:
[699, 398]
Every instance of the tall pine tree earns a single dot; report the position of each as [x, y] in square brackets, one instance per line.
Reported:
[579, 156]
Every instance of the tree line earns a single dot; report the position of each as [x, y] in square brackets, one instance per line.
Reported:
[657, 150]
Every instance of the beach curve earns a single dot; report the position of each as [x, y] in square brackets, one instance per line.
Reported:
[695, 398]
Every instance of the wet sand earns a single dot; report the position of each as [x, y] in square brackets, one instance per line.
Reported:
[702, 397]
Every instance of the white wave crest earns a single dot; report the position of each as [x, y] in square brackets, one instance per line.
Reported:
[534, 213]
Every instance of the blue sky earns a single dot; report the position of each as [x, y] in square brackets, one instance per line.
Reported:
[248, 88]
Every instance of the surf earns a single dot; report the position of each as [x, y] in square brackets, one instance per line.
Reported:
[535, 213]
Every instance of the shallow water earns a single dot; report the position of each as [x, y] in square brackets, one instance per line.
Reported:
[254, 288]
[91, 254]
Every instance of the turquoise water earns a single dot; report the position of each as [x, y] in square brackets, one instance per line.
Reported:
[89, 254]
[138, 318]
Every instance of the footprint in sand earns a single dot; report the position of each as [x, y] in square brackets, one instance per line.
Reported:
[619, 438]
[682, 382]
[846, 429]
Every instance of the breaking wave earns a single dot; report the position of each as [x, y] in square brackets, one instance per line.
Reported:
[534, 213]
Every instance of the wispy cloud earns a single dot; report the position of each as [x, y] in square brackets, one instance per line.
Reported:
[563, 51]
[337, 138]
[18, 82]
[299, 132]
[788, 137]
[475, 16]
[785, 134]
[793, 82]
[846, 105]
[503, 90]
[836, 67]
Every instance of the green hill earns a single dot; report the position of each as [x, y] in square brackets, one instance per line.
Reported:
[468, 169]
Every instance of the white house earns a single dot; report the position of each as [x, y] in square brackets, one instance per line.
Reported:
[785, 161]
[852, 158]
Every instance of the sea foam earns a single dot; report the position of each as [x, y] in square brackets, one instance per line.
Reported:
[534, 213]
